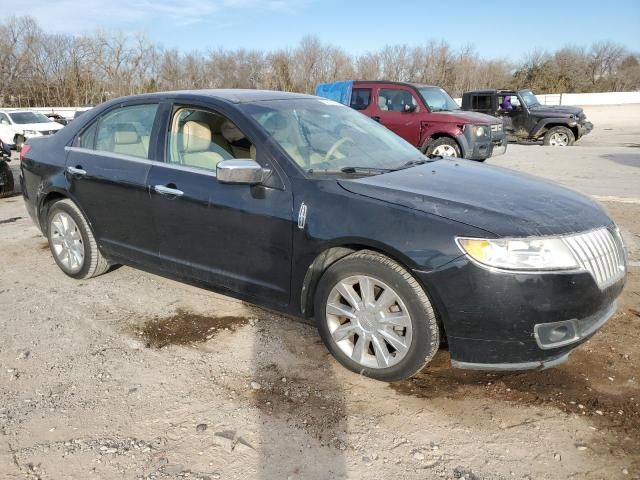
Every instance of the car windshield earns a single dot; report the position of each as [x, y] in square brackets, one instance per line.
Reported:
[529, 98]
[438, 100]
[323, 136]
[28, 117]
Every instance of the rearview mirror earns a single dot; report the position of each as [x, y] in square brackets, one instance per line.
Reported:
[247, 172]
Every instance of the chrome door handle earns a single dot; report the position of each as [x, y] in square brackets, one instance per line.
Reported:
[76, 171]
[164, 190]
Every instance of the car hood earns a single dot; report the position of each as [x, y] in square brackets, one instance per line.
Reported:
[40, 127]
[555, 110]
[463, 116]
[497, 200]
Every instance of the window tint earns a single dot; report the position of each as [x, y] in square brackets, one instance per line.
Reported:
[360, 98]
[202, 139]
[394, 100]
[481, 102]
[126, 130]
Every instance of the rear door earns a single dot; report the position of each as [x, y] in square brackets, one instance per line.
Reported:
[107, 167]
[237, 237]
[391, 103]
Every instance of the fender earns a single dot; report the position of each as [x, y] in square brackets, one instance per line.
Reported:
[542, 124]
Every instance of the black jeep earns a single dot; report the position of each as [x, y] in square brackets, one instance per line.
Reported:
[526, 119]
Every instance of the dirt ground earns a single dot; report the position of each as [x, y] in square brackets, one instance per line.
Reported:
[131, 375]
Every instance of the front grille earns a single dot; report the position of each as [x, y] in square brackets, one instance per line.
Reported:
[601, 253]
[48, 132]
[496, 128]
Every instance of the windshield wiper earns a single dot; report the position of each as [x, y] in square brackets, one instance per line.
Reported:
[414, 163]
[365, 170]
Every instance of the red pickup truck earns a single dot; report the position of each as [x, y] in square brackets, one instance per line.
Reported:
[424, 115]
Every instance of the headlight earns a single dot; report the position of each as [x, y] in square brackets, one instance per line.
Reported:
[32, 132]
[520, 254]
[481, 131]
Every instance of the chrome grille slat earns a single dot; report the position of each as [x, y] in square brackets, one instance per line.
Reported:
[601, 253]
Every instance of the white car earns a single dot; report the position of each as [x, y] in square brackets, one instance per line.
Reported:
[16, 126]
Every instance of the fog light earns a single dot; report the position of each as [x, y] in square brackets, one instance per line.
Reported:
[557, 334]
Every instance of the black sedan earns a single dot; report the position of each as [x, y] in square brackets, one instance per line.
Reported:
[306, 206]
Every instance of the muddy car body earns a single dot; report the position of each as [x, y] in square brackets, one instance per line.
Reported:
[526, 119]
[306, 206]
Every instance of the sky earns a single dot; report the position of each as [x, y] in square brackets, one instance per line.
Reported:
[507, 29]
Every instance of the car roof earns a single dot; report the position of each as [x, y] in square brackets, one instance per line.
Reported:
[390, 82]
[496, 90]
[230, 95]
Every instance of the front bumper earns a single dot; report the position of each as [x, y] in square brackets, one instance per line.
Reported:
[491, 318]
[474, 148]
[584, 128]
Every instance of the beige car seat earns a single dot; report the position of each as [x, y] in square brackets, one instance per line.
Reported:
[195, 146]
[126, 141]
[382, 103]
[232, 134]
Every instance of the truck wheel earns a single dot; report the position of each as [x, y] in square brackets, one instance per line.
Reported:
[559, 137]
[18, 141]
[6, 180]
[445, 147]
[375, 318]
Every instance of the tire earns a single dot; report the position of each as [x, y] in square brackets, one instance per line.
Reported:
[421, 340]
[79, 233]
[18, 141]
[6, 180]
[559, 137]
[445, 146]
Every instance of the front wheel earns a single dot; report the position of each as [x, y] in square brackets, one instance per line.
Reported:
[559, 137]
[72, 243]
[375, 318]
[444, 147]
[6, 180]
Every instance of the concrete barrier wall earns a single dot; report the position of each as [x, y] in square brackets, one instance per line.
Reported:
[604, 98]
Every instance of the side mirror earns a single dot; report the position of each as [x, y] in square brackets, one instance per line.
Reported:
[247, 172]
[410, 108]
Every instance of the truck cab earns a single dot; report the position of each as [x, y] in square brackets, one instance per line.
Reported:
[424, 115]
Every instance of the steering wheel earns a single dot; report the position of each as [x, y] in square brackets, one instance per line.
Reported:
[334, 148]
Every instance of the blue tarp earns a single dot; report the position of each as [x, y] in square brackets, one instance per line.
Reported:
[336, 91]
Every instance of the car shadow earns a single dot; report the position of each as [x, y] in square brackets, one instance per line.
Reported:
[629, 159]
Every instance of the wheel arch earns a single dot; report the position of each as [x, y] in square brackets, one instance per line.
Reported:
[441, 134]
[332, 253]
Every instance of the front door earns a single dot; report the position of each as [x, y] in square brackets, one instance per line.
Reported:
[398, 110]
[236, 237]
[107, 168]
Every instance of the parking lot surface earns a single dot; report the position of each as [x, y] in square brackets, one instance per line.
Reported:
[130, 375]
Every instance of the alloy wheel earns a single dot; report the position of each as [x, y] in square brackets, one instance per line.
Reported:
[559, 139]
[445, 151]
[66, 242]
[369, 321]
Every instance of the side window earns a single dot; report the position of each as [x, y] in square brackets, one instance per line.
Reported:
[126, 130]
[202, 139]
[4, 118]
[87, 138]
[481, 102]
[394, 99]
[360, 98]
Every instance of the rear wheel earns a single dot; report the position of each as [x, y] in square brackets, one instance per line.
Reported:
[72, 243]
[6, 180]
[445, 147]
[559, 137]
[375, 318]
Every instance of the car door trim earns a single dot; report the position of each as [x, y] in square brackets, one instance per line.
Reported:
[146, 161]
